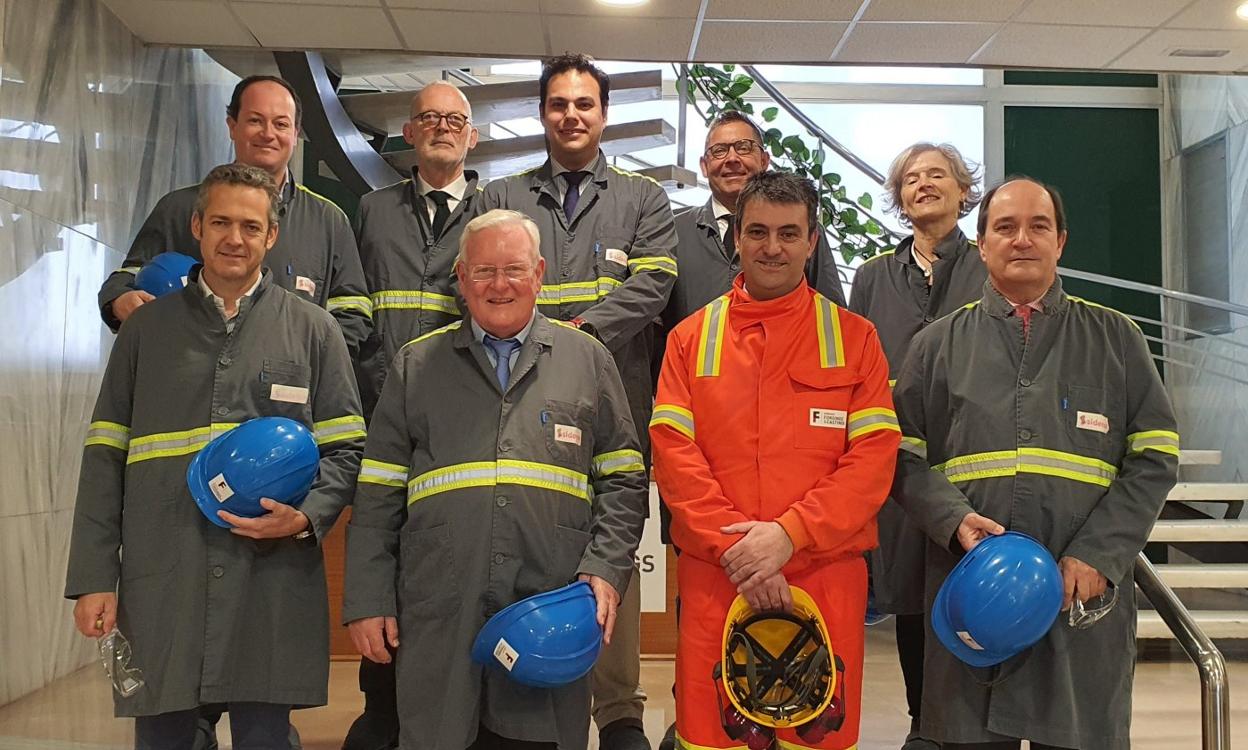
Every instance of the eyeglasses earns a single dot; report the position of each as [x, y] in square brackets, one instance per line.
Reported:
[743, 147]
[514, 272]
[455, 122]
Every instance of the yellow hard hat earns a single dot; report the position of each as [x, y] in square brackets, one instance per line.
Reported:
[777, 667]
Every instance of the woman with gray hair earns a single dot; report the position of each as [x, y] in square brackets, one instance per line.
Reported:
[931, 273]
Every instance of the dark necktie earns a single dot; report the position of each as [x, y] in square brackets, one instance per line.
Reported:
[502, 353]
[441, 200]
[730, 238]
[573, 194]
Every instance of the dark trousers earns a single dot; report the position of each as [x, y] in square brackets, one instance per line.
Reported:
[253, 726]
[487, 740]
[379, 686]
[910, 635]
[1003, 745]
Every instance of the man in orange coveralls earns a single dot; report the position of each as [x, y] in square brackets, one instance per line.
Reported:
[774, 446]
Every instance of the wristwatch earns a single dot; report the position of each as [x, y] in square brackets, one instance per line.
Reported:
[308, 532]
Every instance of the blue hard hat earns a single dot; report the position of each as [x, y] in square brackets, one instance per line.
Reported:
[1001, 598]
[545, 641]
[271, 457]
[165, 273]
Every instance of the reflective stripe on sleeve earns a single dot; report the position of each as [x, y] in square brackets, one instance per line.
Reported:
[491, 473]
[379, 472]
[342, 428]
[871, 420]
[414, 299]
[1164, 441]
[914, 445]
[134, 270]
[577, 291]
[112, 434]
[172, 444]
[711, 338]
[1028, 461]
[828, 327]
[676, 417]
[617, 462]
[654, 263]
[363, 304]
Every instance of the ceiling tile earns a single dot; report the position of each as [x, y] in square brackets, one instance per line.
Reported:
[1153, 52]
[652, 9]
[497, 6]
[1210, 14]
[621, 38]
[920, 43]
[781, 42]
[1100, 12]
[783, 10]
[1043, 46]
[987, 11]
[197, 23]
[452, 32]
[317, 26]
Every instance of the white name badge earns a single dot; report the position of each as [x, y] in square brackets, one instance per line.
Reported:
[1087, 420]
[291, 394]
[615, 255]
[830, 418]
[220, 488]
[304, 284]
[505, 654]
[568, 434]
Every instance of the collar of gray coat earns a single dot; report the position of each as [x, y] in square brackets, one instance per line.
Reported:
[995, 304]
[413, 187]
[544, 176]
[246, 303]
[542, 332]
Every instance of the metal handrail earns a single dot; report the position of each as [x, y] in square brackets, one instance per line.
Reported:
[1138, 286]
[1215, 688]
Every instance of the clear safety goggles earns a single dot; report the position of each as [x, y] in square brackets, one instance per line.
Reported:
[115, 653]
[1083, 616]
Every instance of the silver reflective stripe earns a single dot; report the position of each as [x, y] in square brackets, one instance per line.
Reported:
[979, 466]
[711, 326]
[619, 461]
[916, 446]
[529, 474]
[859, 425]
[451, 478]
[377, 472]
[829, 331]
[108, 433]
[679, 418]
[338, 429]
[414, 299]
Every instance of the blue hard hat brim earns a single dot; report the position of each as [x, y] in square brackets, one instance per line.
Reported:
[955, 645]
[197, 483]
[487, 638]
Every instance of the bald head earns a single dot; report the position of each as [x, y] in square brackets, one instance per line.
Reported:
[441, 93]
[441, 132]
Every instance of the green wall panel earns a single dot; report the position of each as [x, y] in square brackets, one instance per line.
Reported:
[1074, 78]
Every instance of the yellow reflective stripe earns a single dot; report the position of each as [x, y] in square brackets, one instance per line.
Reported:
[892, 382]
[129, 269]
[1028, 461]
[380, 472]
[914, 445]
[363, 304]
[871, 420]
[684, 744]
[971, 305]
[444, 329]
[413, 299]
[1165, 441]
[341, 428]
[1090, 303]
[711, 338]
[491, 473]
[577, 291]
[616, 462]
[785, 745]
[828, 327]
[111, 434]
[172, 444]
[676, 417]
[655, 262]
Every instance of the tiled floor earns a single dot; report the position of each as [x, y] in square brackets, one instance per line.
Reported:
[75, 713]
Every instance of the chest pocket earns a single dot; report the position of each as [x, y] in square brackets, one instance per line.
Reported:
[569, 434]
[611, 250]
[1093, 420]
[285, 389]
[819, 409]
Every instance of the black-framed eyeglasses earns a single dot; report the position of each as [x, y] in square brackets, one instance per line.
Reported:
[429, 120]
[743, 147]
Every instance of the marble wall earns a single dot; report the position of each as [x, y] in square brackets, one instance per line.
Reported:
[94, 128]
[1211, 396]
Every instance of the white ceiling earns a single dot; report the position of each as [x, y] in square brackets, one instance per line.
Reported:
[1113, 35]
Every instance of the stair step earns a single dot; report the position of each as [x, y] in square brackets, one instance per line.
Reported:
[1211, 530]
[506, 156]
[1199, 458]
[1208, 492]
[492, 102]
[1215, 624]
[1204, 575]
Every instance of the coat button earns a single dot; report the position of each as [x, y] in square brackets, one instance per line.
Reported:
[928, 318]
[498, 558]
[1024, 434]
[504, 446]
[217, 571]
[1025, 382]
[501, 501]
[222, 411]
[225, 361]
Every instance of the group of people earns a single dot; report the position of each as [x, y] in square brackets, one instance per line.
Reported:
[478, 366]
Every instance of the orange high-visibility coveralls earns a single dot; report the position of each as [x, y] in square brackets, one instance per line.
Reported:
[772, 411]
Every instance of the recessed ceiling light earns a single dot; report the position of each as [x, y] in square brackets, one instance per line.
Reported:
[1198, 52]
[1242, 11]
[623, 3]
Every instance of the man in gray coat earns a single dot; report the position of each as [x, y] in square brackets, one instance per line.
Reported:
[408, 235]
[609, 246]
[1042, 413]
[502, 462]
[235, 616]
[315, 254]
